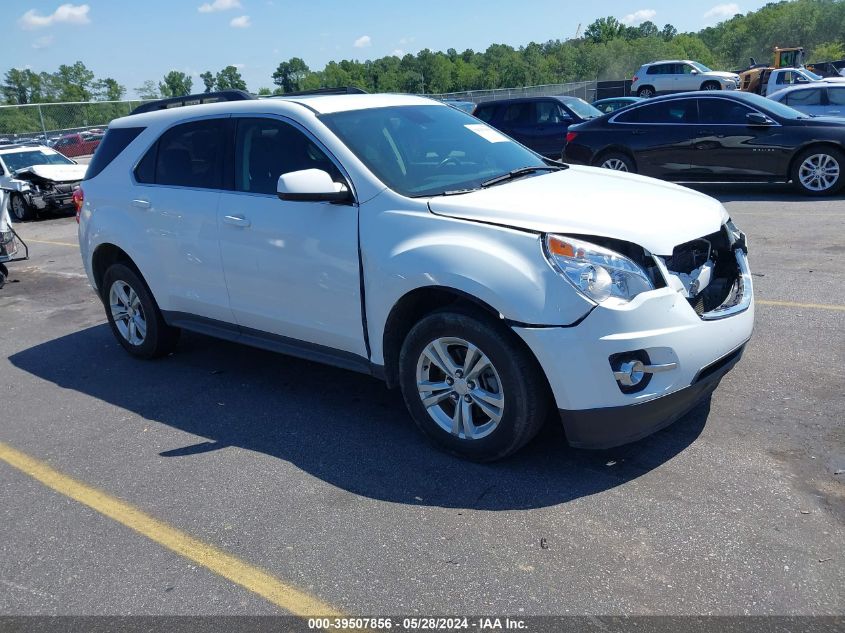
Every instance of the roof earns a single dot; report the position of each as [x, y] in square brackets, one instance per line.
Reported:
[562, 98]
[318, 104]
[25, 146]
[670, 61]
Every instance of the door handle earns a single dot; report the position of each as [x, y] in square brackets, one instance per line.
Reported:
[141, 204]
[706, 133]
[236, 220]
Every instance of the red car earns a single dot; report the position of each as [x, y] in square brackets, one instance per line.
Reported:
[76, 145]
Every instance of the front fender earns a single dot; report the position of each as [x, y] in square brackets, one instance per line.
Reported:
[403, 251]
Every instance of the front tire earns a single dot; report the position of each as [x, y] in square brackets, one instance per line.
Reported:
[133, 314]
[711, 85]
[616, 161]
[818, 171]
[21, 209]
[470, 385]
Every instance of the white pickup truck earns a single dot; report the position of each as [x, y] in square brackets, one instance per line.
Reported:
[779, 78]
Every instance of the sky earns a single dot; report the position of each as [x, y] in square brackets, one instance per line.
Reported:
[136, 40]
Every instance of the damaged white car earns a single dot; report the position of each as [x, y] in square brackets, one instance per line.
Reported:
[38, 180]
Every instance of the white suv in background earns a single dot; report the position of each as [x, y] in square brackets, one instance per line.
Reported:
[400, 237]
[680, 76]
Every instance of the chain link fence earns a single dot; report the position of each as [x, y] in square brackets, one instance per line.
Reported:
[586, 90]
[49, 121]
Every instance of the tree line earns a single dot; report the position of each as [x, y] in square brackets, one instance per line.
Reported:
[607, 49]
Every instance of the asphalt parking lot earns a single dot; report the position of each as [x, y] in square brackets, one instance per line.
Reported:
[297, 482]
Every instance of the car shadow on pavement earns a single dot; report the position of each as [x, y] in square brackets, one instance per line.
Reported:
[758, 192]
[344, 428]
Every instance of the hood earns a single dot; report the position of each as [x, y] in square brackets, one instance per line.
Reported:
[721, 73]
[56, 173]
[590, 201]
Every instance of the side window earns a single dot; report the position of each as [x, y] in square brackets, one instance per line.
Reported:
[722, 112]
[549, 112]
[836, 96]
[674, 111]
[266, 148]
[187, 155]
[518, 114]
[685, 69]
[653, 70]
[804, 97]
[485, 112]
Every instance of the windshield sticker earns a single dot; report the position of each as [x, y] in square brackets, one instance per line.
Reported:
[487, 133]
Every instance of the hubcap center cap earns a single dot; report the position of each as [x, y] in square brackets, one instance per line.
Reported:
[461, 387]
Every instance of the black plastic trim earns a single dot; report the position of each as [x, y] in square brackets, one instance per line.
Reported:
[195, 99]
[272, 342]
[608, 427]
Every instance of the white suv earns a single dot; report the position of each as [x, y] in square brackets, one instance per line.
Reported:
[403, 238]
[680, 76]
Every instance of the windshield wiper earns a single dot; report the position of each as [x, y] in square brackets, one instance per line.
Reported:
[518, 173]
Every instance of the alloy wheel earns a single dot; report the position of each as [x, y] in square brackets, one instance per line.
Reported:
[616, 164]
[127, 313]
[819, 172]
[18, 208]
[460, 388]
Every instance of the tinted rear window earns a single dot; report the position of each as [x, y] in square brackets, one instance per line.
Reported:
[187, 155]
[113, 143]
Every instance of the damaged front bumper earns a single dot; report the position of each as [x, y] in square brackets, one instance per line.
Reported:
[678, 351]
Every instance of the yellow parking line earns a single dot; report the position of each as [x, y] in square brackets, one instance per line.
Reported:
[31, 241]
[281, 594]
[792, 304]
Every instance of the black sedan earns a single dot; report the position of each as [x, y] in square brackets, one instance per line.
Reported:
[715, 137]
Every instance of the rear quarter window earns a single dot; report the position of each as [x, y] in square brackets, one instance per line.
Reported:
[114, 142]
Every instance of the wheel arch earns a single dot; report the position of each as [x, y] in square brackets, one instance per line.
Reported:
[414, 306]
[106, 255]
[811, 145]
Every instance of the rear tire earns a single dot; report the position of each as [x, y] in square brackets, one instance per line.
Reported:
[486, 396]
[646, 92]
[20, 208]
[134, 316]
[818, 171]
[616, 161]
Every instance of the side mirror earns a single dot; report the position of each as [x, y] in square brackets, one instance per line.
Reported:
[311, 185]
[757, 119]
[694, 72]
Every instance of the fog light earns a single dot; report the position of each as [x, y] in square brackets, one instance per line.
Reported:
[630, 373]
[633, 370]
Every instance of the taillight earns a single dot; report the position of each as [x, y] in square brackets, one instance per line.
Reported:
[635, 80]
[78, 201]
[571, 136]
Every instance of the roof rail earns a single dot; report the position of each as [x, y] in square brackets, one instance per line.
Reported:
[346, 90]
[205, 97]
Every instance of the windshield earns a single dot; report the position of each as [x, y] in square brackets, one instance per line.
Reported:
[701, 67]
[583, 109]
[428, 150]
[811, 74]
[21, 160]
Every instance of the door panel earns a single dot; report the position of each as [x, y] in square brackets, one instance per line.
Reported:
[291, 268]
[661, 135]
[725, 146]
[176, 200]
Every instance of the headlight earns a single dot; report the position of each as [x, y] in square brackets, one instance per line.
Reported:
[596, 272]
